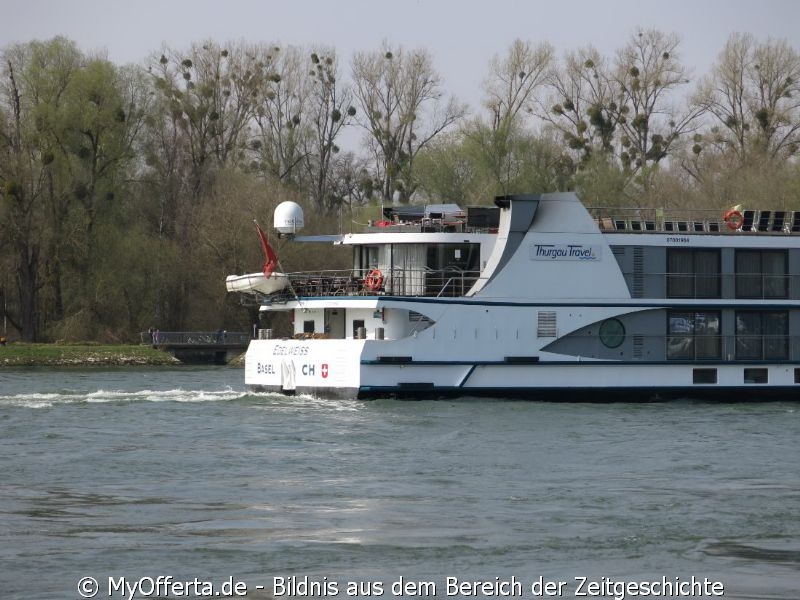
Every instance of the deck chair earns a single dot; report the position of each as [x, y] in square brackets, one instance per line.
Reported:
[796, 222]
[763, 220]
[747, 220]
[777, 220]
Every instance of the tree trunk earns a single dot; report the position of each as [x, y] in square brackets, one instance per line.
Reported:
[28, 287]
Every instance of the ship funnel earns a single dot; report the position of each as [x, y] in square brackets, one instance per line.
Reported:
[288, 218]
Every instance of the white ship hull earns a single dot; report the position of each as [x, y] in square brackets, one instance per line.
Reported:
[559, 310]
[354, 369]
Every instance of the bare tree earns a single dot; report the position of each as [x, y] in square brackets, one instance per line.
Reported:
[753, 94]
[204, 103]
[582, 105]
[403, 109]
[330, 110]
[514, 80]
[647, 75]
[279, 116]
[210, 94]
[511, 89]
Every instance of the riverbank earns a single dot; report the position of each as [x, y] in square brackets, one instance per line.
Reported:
[82, 355]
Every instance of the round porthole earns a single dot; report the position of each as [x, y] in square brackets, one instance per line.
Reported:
[612, 333]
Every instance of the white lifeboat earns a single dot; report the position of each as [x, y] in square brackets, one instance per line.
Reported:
[257, 283]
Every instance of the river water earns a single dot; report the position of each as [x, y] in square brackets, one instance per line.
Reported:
[125, 476]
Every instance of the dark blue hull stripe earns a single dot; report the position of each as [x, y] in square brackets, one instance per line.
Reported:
[655, 303]
[755, 393]
[588, 363]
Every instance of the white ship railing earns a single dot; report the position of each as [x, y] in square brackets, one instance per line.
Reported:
[452, 282]
[729, 286]
[661, 220]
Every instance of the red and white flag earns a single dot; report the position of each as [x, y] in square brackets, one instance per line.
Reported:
[269, 254]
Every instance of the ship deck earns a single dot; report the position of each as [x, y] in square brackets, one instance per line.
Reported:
[394, 282]
[659, 220]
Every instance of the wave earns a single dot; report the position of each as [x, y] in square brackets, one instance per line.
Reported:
[49, 399]
[269, 400]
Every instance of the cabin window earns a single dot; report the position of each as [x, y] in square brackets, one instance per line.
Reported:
[704, 376]
[758, 375]
[612, 333]
[762, 274]
[762, 335]
[308, 326]
[693, 273]
[693, 335]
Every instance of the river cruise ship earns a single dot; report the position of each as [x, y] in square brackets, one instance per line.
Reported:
[539, 297]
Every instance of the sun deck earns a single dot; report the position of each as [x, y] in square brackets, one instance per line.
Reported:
[640, 220]
[659, 220]
[397, 274]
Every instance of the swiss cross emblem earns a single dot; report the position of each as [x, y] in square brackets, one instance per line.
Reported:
[324, 370]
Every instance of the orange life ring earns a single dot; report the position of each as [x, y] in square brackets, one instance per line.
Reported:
[374, 280]
[733, 219]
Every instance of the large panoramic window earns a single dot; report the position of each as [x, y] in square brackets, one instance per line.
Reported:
[452, 268]
[693, 335]
[460, 257]
[762, 335]
[762, 274]
[693, 273]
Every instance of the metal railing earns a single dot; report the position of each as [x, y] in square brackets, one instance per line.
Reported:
[195, 338]
[740, 286]
[677, 221]
[452, 282]
[430, 226]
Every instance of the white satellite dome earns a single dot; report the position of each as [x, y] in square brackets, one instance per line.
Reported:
[288, 218]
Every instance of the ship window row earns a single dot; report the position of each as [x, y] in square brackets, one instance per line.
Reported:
[693, 273]
[759, 335]
[749, 375]
[762, 274]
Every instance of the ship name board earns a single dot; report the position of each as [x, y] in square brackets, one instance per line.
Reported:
[565, 252]
[279, 350]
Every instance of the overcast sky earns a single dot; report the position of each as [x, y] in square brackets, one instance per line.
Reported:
[461, 35]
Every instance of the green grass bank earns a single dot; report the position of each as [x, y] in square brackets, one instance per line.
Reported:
[81, 355]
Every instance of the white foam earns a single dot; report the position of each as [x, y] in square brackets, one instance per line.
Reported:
[47, 400]
[267, 400]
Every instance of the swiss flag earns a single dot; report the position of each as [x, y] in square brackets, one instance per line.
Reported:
[325, 370]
